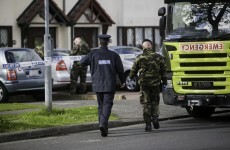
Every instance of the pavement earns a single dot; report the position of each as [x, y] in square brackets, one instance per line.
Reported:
[126, 106]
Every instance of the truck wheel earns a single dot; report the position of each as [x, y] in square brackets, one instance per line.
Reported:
[4, 96]
[200, 112]
[131, 85]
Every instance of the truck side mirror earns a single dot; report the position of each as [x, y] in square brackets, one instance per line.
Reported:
[162, 24]
[161, 11]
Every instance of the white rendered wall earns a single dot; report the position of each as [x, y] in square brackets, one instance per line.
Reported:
[142, 13]
[9, 12]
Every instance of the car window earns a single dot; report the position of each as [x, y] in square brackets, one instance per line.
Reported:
[21, 55]
[10, 57]
[60, 54]
[128, 51]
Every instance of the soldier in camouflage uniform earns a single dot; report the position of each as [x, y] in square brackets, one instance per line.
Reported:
[39, 49]
[152, 71]
[148, 46]
[80, 48]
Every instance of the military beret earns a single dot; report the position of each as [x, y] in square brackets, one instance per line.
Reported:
[104, 37]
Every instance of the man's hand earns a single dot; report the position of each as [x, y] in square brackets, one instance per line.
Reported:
[122, 85]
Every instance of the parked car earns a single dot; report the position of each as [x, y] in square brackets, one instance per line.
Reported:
[22, 70]
[61, 66]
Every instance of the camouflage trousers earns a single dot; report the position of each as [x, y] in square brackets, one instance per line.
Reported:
[150, 101]
[78, 71]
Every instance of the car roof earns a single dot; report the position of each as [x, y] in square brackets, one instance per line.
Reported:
[61, 50]
[118, 47]
[12, 48]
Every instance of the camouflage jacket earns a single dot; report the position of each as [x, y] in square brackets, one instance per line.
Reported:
[40, 51]
[81, 49]
[151, 68]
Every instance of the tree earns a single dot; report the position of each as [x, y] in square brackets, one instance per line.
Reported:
[213, 12]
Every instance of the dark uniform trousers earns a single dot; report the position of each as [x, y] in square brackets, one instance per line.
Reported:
[105, 104]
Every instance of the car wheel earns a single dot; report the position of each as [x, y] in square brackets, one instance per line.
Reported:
[3, 94]
[131, 85]
[200, 112]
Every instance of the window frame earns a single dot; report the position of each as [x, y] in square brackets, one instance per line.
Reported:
[9, 34]
[122, 37]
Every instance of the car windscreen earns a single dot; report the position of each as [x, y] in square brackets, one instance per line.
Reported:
[21, 55]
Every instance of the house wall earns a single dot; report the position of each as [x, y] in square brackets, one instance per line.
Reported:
[115, 8]
[122, 12]
[8, 18]
[131, 13]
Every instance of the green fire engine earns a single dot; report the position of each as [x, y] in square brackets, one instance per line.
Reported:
[196, 46]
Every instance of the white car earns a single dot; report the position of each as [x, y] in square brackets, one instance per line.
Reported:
[61, 66]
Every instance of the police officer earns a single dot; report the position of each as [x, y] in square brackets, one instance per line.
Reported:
[105, 66]
[80, 48]
[151, 69]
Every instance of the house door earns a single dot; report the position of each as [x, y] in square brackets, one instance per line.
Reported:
[36, 36]
[88, 34]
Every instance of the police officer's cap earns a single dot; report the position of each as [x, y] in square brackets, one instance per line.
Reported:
[104, 38]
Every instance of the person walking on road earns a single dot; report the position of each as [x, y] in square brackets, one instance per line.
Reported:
[105, 66]
[152, 71]
[80, 48]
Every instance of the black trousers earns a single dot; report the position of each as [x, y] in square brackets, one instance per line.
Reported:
[105, 104]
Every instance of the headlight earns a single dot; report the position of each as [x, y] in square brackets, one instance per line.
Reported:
[169, 84]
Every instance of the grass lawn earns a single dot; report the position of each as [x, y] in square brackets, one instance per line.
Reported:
[42, 118]
[17, 106]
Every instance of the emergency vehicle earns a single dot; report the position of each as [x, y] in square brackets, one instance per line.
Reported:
[196, 46]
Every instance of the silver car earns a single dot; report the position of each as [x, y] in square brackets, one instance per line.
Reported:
[21, 70]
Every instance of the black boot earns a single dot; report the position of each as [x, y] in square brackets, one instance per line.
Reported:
[155, 122]
[104, 131]
[148, 127]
